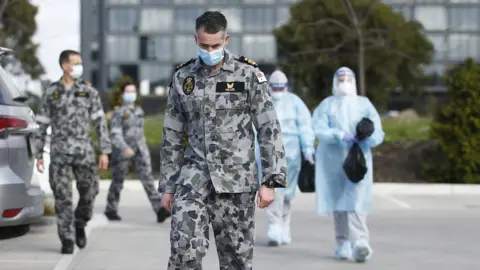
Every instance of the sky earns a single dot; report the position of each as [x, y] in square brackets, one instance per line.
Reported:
[58, 28]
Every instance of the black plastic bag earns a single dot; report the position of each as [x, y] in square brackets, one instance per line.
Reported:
[355, 165]
[306, 178]
[364, 129]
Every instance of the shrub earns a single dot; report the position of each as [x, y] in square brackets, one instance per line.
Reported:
[456, 128]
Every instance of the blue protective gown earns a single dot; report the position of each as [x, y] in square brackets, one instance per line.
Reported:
[334, 117]
[297, 134]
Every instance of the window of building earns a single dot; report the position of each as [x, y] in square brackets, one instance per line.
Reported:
[288, 1]
[260, 47]
[156, 1]
[463, 46]
[156, 20]
[230, 2]
[283, 15]
[429, 1]
[123, 2]
[435, 73]
[116, 71]
[260, 1]
[155, 48]
[157, 74]
[234, 17]
[465, 1]
[122, 48]
[259, 19]
[440, 45]
[235, 45]
[432, 17]
[185, 2]
[406, 11]
[185, 19]
[185, 48]
[122, 20]
[464, 18]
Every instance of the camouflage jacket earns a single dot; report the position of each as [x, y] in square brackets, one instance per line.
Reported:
[215, 110]
[69, 113]
[127, 127]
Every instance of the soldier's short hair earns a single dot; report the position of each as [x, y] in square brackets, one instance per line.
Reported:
[65, 56]
[212, 22]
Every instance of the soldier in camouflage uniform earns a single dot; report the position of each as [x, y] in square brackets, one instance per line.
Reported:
[129, 144]
[68, 106]
[213, 101]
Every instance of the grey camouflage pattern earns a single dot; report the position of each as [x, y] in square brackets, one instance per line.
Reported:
[128, 131]
[219, 127]
[232, 218]
[84, 168]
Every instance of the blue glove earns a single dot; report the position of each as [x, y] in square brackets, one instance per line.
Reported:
[349, 138]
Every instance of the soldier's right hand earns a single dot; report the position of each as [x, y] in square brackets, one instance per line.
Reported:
[40, 165]
[167, 201]
[128, 152]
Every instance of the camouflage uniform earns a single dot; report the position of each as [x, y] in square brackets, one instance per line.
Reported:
[127, 131]
[214, 180]
[69, 112]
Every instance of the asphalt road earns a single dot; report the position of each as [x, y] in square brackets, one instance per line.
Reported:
[408, 233]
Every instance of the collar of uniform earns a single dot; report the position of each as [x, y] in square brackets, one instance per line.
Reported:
[76, 84]
[228, 63]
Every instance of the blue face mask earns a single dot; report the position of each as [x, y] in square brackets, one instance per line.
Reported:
[210, 58]
[129, 98]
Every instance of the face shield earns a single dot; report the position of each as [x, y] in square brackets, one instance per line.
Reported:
[344, 83]
[278, 84]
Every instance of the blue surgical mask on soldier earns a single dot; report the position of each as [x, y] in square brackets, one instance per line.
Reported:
[210, 58]
[129, 97]
[77, 72]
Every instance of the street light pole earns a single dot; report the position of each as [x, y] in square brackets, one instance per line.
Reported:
[102, 65]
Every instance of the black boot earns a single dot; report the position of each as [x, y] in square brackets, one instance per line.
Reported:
[67, 247]
[81, 238]
[162, 215]
[113, 216]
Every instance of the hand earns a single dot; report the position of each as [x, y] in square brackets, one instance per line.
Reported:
[103, 162]
[349, 138]
[266, 196]
[128, 152]
[309, 158]
[40, 165]
[167, 201]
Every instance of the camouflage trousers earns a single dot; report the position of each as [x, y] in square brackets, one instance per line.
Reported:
[232, 216]
[119, 169]
[61, 171]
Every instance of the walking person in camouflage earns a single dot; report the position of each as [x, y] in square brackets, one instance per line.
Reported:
[68, 106]
[213, 101]
[129, 145]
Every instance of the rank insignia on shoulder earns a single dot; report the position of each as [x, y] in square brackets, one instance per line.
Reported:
[55, 95]
[185, 64]
[81, 94]
[246, 60]
[87, 83]
[126, 115]
[260, 77]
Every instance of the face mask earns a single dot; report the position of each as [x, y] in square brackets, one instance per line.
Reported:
[210, 58]
[346, 89]
[77, 72]
[129, 98]
[278, 95]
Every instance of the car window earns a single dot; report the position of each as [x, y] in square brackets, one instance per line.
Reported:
[8, 89]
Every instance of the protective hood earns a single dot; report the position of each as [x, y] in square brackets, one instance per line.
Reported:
[278, 80]
[344, 83]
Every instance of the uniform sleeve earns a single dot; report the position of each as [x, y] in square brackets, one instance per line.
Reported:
[173, 142]
[43, 121]
[378, 135]
[262, 111]
[117, 131]
[321, 126]
[98, 117]
[304, 124]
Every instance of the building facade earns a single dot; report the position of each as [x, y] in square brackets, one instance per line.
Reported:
[146, 39]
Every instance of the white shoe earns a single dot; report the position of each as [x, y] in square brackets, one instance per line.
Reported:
[274, 235]
[344, 251]
[361, 252]
[286, 237]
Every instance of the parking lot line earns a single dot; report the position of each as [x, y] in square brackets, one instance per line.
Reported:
[396, 201]
[97, 221]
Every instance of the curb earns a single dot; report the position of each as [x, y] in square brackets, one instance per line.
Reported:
[378, 188]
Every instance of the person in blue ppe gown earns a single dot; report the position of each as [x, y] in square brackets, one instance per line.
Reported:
[334, 123]
[298, 138]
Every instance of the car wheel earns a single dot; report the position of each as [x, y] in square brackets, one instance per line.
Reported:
[12, 232]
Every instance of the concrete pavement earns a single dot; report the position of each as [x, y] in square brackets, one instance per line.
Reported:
[408, 232]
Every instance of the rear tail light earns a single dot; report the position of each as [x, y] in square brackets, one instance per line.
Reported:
[12, 123]
[10, 213]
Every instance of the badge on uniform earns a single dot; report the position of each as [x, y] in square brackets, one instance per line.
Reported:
[126, 115]
[55, 95]
[260, 77]
[230, 87]
[81, 94]
[188, 85]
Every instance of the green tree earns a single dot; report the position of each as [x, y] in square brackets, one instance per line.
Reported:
[382, 48]
[456, 128]
[116, 95]
[17, 27]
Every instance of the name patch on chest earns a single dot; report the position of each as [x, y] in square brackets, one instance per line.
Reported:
[230, 87]
[81, 94]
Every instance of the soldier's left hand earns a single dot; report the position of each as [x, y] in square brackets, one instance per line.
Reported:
[103, 162]
[266, 196]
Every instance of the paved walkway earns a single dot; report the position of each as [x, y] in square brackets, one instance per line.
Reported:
[408, 233]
